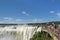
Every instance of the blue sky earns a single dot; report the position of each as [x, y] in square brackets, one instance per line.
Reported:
[24, 11]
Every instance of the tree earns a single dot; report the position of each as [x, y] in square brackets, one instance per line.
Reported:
[41, 36]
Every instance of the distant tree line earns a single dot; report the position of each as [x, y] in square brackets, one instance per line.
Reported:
[40, 24]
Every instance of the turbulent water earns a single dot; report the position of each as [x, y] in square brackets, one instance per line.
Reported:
[24, 32]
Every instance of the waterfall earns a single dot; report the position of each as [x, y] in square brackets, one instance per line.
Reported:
[23, 32]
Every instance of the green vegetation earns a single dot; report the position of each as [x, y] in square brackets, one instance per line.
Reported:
[40, 24]
[41, 36]
[35, 24]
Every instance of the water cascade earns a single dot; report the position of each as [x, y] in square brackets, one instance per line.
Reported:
[23, 32]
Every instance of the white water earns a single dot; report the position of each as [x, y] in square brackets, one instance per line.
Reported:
[20, 33]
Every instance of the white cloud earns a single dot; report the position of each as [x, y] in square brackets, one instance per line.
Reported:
[35, 20]
[39, 20]
[18, 20]
[52, 12]
[25, 13]
[58, 14]
[7, 18]
[10, 20]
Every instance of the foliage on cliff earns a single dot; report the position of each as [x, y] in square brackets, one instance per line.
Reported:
[41, 36]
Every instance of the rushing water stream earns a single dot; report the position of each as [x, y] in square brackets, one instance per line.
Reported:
[24, 32]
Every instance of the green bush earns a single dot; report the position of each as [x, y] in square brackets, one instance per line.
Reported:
[41, 36]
